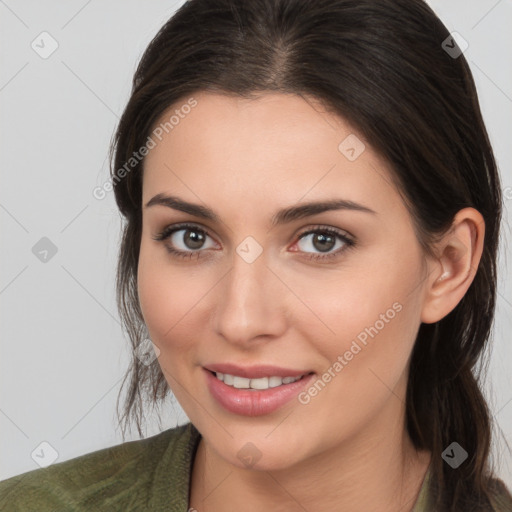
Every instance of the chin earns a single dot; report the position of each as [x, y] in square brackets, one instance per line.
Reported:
[275, 462]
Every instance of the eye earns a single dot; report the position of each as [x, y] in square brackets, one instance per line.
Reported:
[324, 239]
[187, 240]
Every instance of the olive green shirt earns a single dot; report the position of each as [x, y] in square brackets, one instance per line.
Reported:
[151, 474]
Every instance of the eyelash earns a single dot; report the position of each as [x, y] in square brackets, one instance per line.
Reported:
[168, 231]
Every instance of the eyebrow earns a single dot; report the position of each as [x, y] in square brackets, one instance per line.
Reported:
[284, 216]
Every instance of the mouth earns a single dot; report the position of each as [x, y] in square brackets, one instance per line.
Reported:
[255, 396]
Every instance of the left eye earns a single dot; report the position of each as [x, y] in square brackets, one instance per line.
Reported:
[324, 241]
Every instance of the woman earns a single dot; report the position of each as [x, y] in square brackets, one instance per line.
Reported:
[312, 213]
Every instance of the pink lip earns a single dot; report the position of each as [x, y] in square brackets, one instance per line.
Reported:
[254, 402]
[255, 372]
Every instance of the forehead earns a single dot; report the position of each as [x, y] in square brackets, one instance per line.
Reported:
[280, 147]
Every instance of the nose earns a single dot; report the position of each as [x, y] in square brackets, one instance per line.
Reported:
[251, 303]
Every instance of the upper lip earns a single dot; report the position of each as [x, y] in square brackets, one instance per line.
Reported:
[255, 372]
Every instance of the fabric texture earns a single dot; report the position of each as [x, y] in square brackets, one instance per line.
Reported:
[151, 474]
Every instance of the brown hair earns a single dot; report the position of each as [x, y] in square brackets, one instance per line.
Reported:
[381, 66]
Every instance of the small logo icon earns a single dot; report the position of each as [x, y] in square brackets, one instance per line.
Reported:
[454, 45]
[44, 45]
[351, 147]
[249, 455]
[249, 250]
[44, 455]
[454, 455]
[44, 250]
[147, 352]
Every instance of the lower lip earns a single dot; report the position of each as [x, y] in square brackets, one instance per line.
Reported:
[256, 402]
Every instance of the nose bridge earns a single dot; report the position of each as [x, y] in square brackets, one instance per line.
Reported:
[251, 301]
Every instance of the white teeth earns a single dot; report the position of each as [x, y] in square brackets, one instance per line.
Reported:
[228, 379]
[273, 382]
[262, 383]
[241, 383]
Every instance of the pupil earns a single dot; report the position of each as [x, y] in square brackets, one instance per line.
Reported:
[322, 238]
[194, 239]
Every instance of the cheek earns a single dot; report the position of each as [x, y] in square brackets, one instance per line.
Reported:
[375, 322]
[370, 313]
[173, 301]
[166, 300]
[163, 295]
[153, 297]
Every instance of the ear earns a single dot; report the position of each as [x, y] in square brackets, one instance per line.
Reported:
[453, 270]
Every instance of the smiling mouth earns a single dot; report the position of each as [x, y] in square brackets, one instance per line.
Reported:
[259, 384]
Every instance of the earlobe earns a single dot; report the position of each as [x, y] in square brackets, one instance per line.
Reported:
[452, 273]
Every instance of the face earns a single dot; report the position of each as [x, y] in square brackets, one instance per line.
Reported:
[335, 294]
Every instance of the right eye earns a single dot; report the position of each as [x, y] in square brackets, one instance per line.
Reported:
[187, 240]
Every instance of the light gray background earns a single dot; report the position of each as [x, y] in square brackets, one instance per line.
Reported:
[62, 350]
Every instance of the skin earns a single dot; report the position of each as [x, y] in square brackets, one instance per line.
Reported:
[347, 449]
